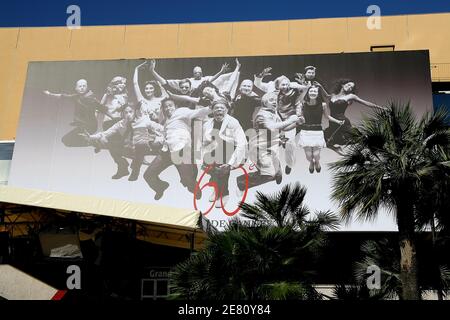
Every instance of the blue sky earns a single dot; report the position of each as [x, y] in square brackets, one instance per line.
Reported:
[28, 13]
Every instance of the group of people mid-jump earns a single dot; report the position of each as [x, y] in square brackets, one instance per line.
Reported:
[211, 121]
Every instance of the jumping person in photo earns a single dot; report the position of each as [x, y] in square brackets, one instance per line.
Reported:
[182, 88]
[150, 103]
[245, 105]
[311, 136]
[264, 146]
[224, 147]
[177, 134]
[198, 77]
[206, 93]
[288, 100]
[343, 96]
[194, 82]
[270, 86]
[308, 79]
[84, 120]
[203, 96]
[134, 136]
[114, 99]
[290, 94]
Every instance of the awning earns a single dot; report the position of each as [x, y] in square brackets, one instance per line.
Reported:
[102, 206]
[155, 224]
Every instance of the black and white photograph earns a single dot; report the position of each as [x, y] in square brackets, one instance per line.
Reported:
[205, 133]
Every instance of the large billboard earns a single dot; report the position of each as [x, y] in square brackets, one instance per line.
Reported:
[205, 133]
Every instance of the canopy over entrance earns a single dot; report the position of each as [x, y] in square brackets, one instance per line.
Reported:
[153, 223]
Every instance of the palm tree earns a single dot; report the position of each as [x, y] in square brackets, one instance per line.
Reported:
[270, 258]
[384, 254]
[389, 158]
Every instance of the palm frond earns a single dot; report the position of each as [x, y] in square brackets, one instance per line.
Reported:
[287, 291]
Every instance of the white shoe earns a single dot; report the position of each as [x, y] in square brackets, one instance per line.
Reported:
[212, 197]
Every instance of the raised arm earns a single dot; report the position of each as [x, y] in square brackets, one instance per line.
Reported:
[156, 75]
[164, 93]
[137, 90]
[264, 86]
[233, 79]
[326, 94]
[222, 70]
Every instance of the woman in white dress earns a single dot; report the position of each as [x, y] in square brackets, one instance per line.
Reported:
[311, 136]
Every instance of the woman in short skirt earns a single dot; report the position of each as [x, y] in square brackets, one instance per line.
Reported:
[311, 136]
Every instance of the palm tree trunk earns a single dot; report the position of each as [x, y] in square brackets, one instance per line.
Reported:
[433, 241]
[408, 257]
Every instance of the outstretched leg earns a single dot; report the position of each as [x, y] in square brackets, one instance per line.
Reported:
[151, 175]
[74, 138]
[290, 150]
[117, 152]
[140, 150]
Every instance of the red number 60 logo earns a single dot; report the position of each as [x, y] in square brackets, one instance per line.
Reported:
[214, 185]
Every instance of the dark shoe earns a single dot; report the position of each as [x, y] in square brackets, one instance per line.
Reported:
[278, 178]
[120, 174]
[317, 166]
[134, 175]
[287, 170]
[311, 167]
[159, 193]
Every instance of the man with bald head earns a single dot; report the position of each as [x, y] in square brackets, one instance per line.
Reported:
[194, 82]
[198, 73]
[198, 77]
[85, 108]
[245, 104]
